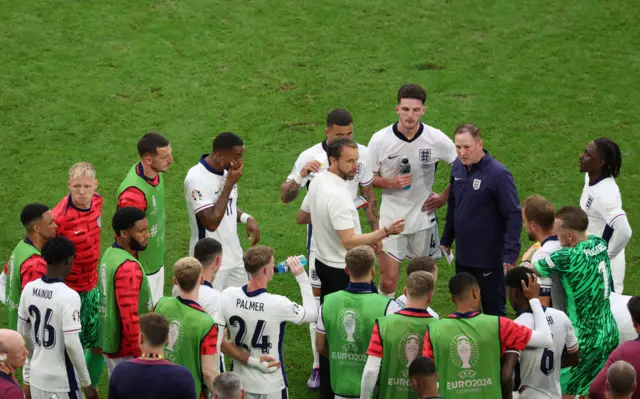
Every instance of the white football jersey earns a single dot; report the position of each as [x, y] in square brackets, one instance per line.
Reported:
[386, 148]
[402, 303]
[603, 204]
[202, 187]
[364, 174]
[549, 246]
[622, 316]
[53, 310]
[540, 368]
[256, 322]
[208, 297]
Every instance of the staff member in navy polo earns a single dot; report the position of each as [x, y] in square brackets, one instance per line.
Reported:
[483, 217]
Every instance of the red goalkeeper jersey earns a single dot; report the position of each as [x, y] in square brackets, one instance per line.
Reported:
[82, 227]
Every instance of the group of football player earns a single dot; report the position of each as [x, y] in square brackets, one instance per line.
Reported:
[78, 309]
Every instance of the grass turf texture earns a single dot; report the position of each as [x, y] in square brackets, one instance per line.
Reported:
[82, 81]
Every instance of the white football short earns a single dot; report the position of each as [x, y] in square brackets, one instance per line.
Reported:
[284, 394]
[232, 277]
[156, 284]
[313, 276]
[39, 394]
[421, 243]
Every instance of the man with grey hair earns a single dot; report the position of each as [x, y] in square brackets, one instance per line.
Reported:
[228, 386]
[621, 380]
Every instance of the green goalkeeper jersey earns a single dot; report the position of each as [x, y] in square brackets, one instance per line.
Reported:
[586, 278]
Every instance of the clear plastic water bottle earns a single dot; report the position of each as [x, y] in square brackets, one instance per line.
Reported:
[405, 169]
[283, 267]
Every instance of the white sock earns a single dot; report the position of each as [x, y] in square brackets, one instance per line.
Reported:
[391, 295]
[312, 332]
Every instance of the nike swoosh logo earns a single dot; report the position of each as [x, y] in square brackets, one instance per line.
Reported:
[390, 157]
[78, 232]
[487, 274]
[458, 178]
[217, 192]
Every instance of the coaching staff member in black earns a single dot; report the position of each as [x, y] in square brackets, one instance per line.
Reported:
[483, 217]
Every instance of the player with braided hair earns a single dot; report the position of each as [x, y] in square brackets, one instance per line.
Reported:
[601, 162]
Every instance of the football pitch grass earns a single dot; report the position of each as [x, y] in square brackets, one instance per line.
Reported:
[83, 80]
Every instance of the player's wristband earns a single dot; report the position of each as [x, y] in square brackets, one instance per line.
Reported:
[298, 179]
[244, 218]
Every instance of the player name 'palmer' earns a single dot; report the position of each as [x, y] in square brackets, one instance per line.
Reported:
[250, 305]
[42, 293]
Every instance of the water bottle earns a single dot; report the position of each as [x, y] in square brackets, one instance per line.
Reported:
[283, 267]
[405, 169]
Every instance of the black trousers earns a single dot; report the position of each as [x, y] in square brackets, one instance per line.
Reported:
[332, 280]
[493, 293]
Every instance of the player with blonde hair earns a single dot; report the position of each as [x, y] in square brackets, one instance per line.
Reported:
[78, 217]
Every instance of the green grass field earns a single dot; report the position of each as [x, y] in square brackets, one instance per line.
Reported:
[83, 80]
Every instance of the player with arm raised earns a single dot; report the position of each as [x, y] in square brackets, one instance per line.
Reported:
[211, 193]
[601, 200]
[397, 339]
[409, 195]
[49, 318]
[143, 188]
[583, 267]
[312, 161]
[256, 321]
[78, 217]
[540, 367]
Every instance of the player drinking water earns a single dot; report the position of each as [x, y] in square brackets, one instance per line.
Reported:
[583, 267]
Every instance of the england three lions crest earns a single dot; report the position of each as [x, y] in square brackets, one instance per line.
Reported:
[425, 156]
[590, 200]
[476, 183]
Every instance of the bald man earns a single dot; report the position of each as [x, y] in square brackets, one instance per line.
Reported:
[13, 354]
[621, 380]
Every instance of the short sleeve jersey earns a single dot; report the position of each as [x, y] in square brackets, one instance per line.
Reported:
[364, 174]
[256, 321]
[540, 367]
[586, 277]
[603, 204]
[208, 297]
[53, 310]
[386, 149]
[548, 247]
[202, 188]
[82, 227]
[331, 209]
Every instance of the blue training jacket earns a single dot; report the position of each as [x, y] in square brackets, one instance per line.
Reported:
[483, 215]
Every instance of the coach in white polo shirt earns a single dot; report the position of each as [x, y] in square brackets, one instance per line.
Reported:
[329, 205]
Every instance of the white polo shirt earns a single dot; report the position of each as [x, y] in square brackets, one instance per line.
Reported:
[331, 207]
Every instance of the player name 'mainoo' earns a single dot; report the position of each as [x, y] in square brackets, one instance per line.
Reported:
[42, 293]
[250, 305]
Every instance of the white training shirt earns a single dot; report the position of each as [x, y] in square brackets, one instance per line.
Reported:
[402, 303]
[256, 321]
[386, 148]
[540, 368]
[548, 246]
[208, 297]
[53, 310]
[202, 188]
[332, 209]
[603, 204]
[622, 316]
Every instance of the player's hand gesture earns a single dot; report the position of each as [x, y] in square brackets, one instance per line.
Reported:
[295, 266]
[401, 181]
[271, 361]
[531, 288]
[234, 173]
[396, 227]
[311, 166]
[90, 392]
[434, 202]
[253, 231]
